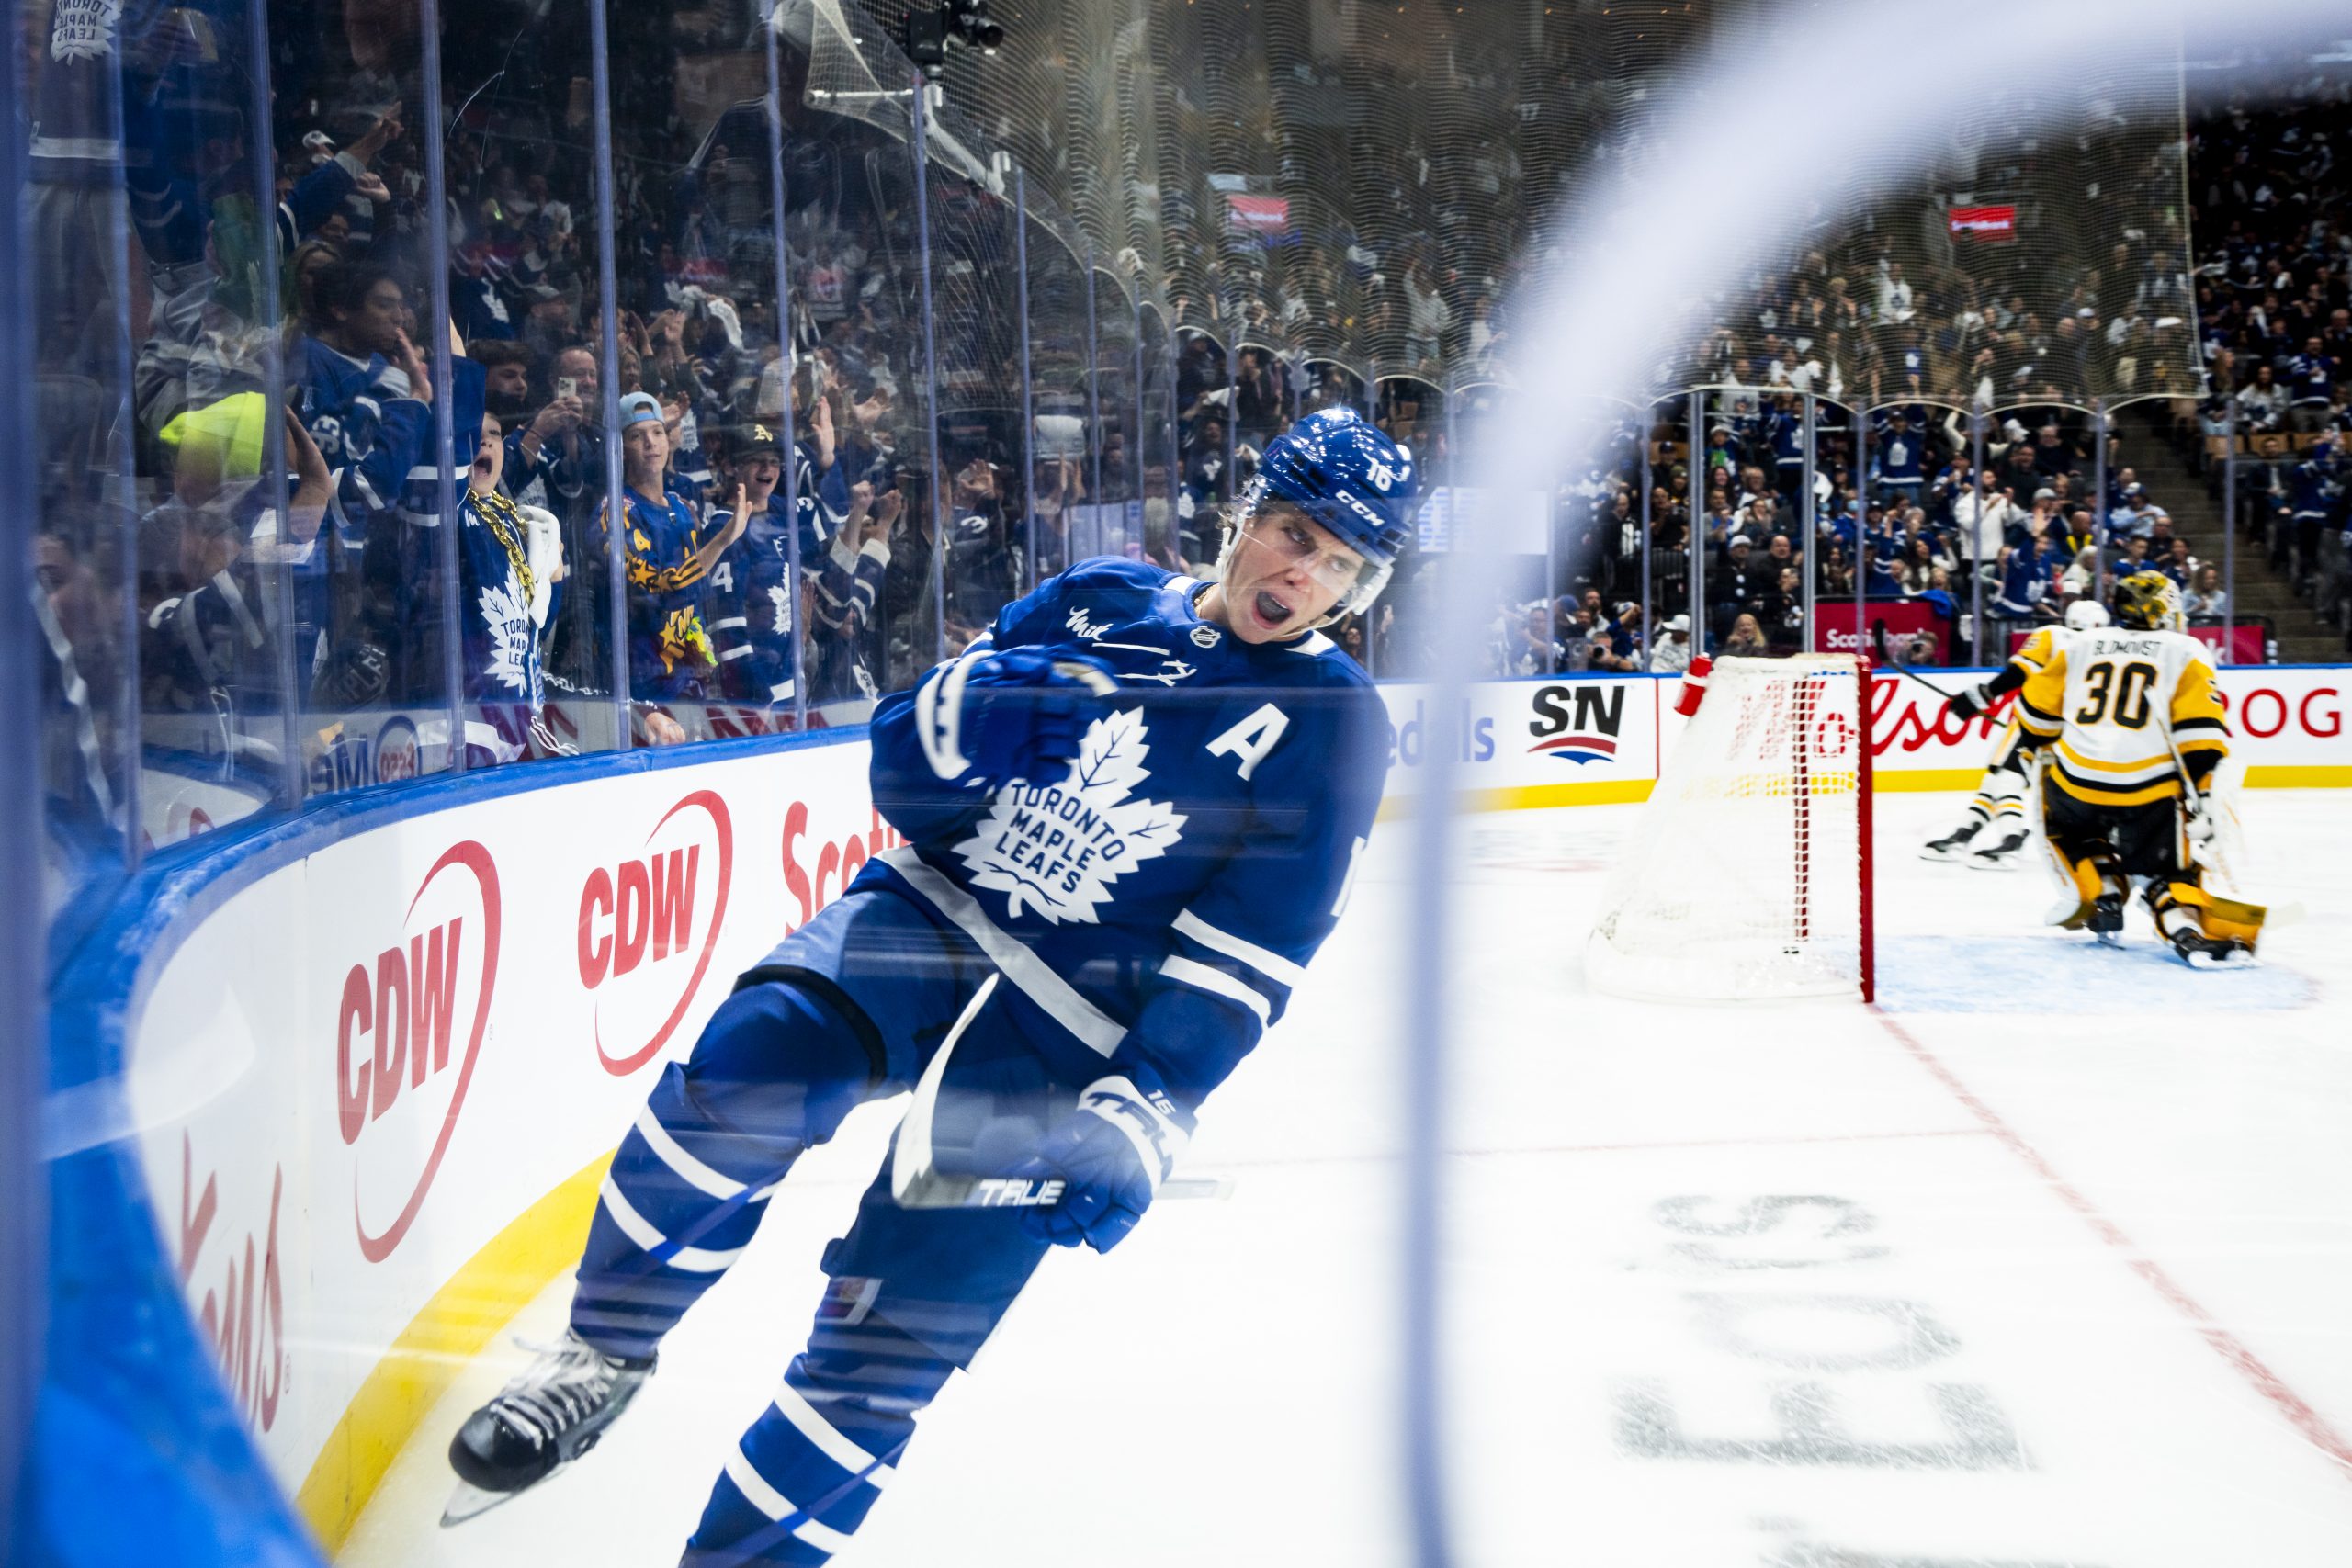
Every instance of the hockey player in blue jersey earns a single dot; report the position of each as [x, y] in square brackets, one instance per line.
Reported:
[1141, 877]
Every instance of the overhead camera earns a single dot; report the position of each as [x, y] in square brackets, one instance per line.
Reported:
[933, 30]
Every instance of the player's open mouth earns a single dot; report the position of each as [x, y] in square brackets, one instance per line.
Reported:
[1272, 611]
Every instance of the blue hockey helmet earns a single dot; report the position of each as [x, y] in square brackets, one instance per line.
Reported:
[1346, 475]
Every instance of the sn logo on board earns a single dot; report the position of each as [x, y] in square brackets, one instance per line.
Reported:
[1578, 723]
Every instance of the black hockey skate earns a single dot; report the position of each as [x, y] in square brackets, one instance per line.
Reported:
[2000, 856]
[1952, 845]
[540, 1422]
[2106, 920]
[2201, 951]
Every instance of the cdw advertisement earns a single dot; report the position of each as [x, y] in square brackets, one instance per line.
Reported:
[354, 1070]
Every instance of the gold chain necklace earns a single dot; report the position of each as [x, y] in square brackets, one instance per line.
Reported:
[507, 525]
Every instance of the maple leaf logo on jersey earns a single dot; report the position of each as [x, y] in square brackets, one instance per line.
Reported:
[1056, 847]
[510, 633]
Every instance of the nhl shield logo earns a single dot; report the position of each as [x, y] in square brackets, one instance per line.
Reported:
[1204, 637]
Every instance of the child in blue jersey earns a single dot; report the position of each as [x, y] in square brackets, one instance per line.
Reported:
[1146, 872]
[510, 564]
[752, 590]
[754, 598]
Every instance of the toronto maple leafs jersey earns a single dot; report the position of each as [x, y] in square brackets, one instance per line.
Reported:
[502, 639]
[1154, 901]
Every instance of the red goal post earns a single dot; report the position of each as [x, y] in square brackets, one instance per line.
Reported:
[1749, 876]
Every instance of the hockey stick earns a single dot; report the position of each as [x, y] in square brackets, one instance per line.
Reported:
[916, 1182]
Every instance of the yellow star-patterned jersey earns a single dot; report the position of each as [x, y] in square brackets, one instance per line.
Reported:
[2112, 704]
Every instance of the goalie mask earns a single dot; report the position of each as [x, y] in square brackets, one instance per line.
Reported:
[1349, 478]
[2149, 601]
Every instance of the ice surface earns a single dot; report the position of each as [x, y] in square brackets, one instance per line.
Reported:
[2047, 1262]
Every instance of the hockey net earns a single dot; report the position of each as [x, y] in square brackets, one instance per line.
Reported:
[1749, 875]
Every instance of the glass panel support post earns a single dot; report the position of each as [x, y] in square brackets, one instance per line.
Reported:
[787, 432]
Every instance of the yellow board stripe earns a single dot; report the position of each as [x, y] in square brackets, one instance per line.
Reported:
[1919, 781]
[463, 1317]
[1527, 798]
[2287, 776]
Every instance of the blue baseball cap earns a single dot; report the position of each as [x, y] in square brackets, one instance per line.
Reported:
[639, 407]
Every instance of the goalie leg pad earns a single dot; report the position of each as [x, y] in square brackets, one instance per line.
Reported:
[2094, 878]
[2186, 906]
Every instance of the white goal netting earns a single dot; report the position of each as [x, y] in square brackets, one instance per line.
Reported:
[1748, 875]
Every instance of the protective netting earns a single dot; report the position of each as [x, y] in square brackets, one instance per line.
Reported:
[1746, 879]
[1359, 183]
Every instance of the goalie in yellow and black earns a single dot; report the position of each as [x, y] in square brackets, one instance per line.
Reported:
[2129, 726]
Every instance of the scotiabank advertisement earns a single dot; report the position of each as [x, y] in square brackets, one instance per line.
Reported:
[354, 1071]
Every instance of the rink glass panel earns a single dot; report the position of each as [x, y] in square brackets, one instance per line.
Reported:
[972, 246]
[1061, 494]
[1112, 397]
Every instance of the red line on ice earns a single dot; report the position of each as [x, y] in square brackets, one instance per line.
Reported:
[2224, 1344]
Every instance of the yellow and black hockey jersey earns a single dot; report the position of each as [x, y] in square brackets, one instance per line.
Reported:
[2112, 704]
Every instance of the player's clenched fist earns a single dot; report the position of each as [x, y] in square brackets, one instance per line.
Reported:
[989, 717]
[1111, 1155]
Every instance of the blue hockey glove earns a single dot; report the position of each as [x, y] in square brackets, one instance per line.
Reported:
[992, 718]
[1111, 1155]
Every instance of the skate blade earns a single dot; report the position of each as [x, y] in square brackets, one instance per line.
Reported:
[471, 1502]
[2006, 862]
[2108, 939]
